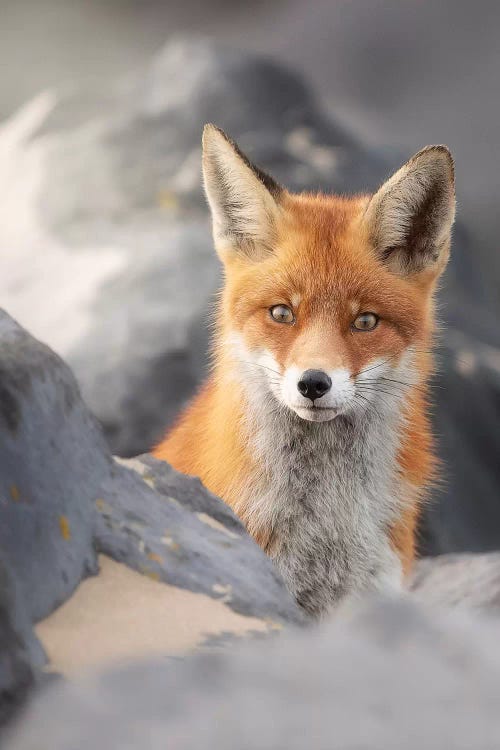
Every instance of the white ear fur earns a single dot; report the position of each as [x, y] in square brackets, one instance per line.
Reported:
[242, 198]
[411, 215]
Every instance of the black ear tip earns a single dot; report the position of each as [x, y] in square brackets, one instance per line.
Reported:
[438, 154]
[445, 153]
[211, 131]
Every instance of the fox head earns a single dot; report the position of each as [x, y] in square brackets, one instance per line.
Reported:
[327, 306]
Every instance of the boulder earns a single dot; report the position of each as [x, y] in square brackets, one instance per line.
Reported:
[19, 650]
[65, 500]
[385, 677]
[463, 514]
[168, 526]
[464, 581]
[52, 458]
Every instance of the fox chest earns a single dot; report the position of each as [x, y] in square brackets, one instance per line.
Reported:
[328, 515]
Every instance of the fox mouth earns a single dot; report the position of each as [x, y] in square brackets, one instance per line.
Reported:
[316, 413]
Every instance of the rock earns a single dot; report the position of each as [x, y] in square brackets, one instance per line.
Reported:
[463, 515]
[106, 252]
[19, 650]
[459, 581]
[52, 459]
[169, 526]
[64, 499]
[362, 681]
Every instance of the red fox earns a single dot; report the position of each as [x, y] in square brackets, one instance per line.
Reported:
[313, 424]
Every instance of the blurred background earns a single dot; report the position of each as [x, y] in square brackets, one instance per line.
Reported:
[403, 73]
[105, 250]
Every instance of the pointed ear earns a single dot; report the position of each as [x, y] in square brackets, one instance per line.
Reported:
[244, 201]
[410, 218]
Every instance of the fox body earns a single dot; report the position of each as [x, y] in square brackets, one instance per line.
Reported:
[313, 423]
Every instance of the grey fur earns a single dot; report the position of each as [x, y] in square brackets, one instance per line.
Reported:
[330, 491]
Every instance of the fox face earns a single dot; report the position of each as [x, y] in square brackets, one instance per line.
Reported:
[327, 306]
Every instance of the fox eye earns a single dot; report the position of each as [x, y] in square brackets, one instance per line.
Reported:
[282, 314]
[365, 322]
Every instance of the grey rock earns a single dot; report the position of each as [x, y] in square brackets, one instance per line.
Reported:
[386, 677]
[469, 582]
[463, 515]
[147, 354]
[169, 526]
[64, 499]
[19, 650]
[52, 455]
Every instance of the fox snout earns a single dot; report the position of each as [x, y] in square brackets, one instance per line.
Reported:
[317, 394]
[313, 384]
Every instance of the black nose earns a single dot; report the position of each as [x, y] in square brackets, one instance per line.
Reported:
[314, 384]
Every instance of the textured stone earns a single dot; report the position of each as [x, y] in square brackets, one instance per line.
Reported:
[19, 651]
[387, 677]
[63, 498]
[464, 513]
[52, 457]
[459, 581]
[170, 527]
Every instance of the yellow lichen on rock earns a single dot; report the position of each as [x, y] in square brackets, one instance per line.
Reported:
[64, 528]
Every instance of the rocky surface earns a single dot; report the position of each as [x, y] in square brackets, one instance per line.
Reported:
[63, 499]
[52, 459]
[19, 650]
[464, 513]
[106, 253]
[170, 527]
[386, 677]
[458, 581]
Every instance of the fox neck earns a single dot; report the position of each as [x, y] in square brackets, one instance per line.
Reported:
[350, 451]
[320, 491]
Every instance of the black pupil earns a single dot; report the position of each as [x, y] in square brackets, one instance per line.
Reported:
[281, 313]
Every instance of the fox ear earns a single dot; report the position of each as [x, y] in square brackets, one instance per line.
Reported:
[411, 215]
[243, 199]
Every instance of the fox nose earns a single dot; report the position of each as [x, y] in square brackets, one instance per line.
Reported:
[314, 384]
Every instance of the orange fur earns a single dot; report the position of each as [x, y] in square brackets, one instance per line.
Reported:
[323, 264]
[323, 258]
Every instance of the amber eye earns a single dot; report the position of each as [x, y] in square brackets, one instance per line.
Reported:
[282, 314]
[365, 322]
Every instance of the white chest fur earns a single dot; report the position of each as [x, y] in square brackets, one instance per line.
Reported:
[329, 492]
